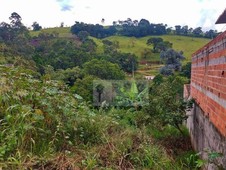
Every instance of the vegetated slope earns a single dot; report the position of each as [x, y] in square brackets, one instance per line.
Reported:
[180, 43]
[149, 61]
[45, 126]
[137, 45]
[186, 44]
[149, 65]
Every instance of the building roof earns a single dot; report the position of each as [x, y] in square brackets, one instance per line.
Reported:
[222, 18]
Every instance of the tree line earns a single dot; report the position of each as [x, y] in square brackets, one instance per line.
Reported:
[135, 28]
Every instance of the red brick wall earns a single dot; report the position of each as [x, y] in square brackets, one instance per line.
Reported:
[208, 81]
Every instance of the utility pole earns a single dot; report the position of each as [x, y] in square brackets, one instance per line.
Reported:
[133, 69]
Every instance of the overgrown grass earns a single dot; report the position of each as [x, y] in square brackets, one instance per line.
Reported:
[100, 46]
[44, 127]
[130, 44]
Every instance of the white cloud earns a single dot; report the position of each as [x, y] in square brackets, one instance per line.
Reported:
[50, 13]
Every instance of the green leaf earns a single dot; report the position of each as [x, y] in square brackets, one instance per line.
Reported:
[214, 155]
[200, 163]
[133, 90]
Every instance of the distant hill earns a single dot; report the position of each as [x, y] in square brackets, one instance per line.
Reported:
[180, 43]
[137, 45]
[148, 64]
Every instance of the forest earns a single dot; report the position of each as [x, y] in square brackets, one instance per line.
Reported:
[65, 104]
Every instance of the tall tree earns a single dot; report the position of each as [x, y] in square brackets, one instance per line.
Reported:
[186, 70]
[83, 35]
[154, 41]
[163, 46]
[178, 29]
[172, 60]
[197, 32]
[17, 27]
[10, 32]
[36, 26]
[184, 30]
[211, 34]
[5, 32]
[167, 104]
[144, 27]
[15, 19]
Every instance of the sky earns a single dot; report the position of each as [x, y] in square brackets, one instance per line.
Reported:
[51, 13]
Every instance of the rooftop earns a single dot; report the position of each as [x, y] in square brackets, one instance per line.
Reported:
[222, 18]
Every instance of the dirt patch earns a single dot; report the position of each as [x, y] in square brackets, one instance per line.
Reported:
[175, 146]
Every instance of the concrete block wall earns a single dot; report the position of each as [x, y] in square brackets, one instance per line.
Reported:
[208, 81]
[205, 136]
[187, 90]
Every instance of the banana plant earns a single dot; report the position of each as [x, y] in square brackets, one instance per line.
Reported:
[132, 97]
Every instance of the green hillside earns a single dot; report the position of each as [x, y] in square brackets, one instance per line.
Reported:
[138, 47]
[62, 31]
[180, 43]
[186, 44]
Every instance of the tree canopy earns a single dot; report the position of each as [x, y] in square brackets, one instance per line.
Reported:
[103, 69]
[36, 26]
[172, 60]
[135, 28]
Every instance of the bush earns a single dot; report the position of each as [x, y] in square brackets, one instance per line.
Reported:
[36, 116]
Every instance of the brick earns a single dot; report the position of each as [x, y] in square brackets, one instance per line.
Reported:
[210, 79]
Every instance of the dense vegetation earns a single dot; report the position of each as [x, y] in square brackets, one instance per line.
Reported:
[43, 125]
[47, 120]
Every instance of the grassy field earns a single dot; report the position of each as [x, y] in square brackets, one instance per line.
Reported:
[62, 31]
[180, 43]
[138, 45]
[186, 44]
[130, 44]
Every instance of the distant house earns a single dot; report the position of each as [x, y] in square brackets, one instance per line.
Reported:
[149, 77]
[207, 120]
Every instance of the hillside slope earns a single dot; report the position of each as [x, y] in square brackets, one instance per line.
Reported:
[62, 31]
[137, 45]
[149, 64]
[180, 43]
[148, 60]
